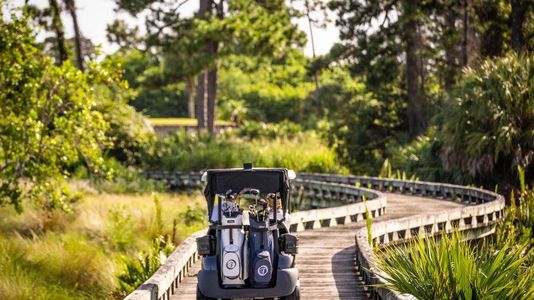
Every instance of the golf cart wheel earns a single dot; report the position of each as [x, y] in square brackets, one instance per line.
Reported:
[294, 296]
[202, 297]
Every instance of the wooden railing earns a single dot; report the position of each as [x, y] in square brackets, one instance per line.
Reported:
[352, 211]
[475, 220]
[169, 276]
[162, 284]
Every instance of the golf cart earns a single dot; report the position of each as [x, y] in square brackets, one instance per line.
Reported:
[248, 253]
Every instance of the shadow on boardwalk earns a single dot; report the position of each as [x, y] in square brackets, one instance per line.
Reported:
[346, 276]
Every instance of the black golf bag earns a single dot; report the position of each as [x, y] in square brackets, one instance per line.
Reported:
[261, 251]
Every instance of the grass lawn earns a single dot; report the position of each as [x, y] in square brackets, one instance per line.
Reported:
[182, 122]
[58, 255]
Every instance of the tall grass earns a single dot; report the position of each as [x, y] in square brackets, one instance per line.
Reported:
[59, 255]
[450, 268]
[386, 171]
[368, 222]
[519, 219]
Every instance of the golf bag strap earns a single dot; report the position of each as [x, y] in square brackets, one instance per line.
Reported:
[221, 227]
[254, 229]
[270, 228]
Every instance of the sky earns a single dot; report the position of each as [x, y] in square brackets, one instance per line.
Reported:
[94, 15]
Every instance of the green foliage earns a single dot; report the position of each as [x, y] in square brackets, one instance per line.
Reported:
[157, 94]
[488, 127]
[386, 170]
[47, 119]
[518, 224]
[194, 152]
[361, 126]
[179, 51]
[284, 129]
[121, 232]
[263, 89]
[193, 215]
[452, 269]
[139, 269]
[130, 131]
[421, 156]
[123, 179]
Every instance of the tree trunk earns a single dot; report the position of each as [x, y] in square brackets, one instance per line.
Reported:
[517, 18]
[60, 34]
[213, 49]
[466, 26]
[212, 98]
[202, 80]
[315, 76]
[202, 100]
[71, 7]
[450, 46]
[416, 121]
[190, 84]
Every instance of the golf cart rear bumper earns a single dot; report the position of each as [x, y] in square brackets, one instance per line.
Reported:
[286, 280]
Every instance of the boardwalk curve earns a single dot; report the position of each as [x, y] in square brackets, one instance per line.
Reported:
[334, 253]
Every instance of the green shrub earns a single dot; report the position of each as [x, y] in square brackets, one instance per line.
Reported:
[130, 131]
[452, 269]
[158, 221]
[195, 152]
[139, 269]
[121, 232]
[283, 129]
[18, 276]
[518, 224]
[122, 179]
[421, 157]
[193, 215]
[488, 127]
[361, 126]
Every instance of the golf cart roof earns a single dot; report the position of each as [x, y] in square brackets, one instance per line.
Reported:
[266, 180]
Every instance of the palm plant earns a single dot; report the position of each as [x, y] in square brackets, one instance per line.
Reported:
[450, 268]
[489, 122]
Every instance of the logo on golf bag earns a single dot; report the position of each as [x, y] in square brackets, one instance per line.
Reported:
[263, 270]
[231, 264]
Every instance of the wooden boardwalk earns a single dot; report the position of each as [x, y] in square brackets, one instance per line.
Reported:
[326, 255]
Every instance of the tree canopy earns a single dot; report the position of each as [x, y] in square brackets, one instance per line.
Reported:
[47, 118]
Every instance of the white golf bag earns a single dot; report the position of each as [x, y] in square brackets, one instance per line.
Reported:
[234, 250]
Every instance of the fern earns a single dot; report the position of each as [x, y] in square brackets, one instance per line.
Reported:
[139, 269]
